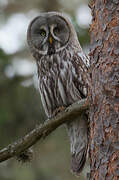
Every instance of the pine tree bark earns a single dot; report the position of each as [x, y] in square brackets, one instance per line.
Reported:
[104, 114]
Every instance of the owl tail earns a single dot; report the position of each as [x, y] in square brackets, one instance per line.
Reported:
[78, 134]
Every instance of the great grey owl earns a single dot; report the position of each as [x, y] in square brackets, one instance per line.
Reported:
[60, 64]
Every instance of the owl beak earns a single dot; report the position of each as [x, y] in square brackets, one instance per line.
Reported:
[50, 40]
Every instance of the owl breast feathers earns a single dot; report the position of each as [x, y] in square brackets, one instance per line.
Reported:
[61, 65]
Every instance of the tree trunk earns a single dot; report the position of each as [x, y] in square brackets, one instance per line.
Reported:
[104, 114]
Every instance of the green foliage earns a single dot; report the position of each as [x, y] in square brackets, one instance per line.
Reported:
[83, 33]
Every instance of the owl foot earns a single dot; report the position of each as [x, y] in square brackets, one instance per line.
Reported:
[58, 110]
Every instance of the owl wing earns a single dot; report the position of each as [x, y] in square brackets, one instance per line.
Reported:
[79, 73]
[78, 128]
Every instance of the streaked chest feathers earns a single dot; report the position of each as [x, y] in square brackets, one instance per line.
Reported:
[58, 82]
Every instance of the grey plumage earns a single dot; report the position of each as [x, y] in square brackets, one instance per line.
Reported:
[60, 62]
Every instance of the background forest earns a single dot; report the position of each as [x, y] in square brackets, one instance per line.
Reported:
[20, 105]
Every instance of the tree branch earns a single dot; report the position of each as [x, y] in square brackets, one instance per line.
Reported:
[41, 131]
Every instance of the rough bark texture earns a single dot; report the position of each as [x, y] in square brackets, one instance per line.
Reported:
[104, 114]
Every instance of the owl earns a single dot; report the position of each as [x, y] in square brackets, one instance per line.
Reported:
[60, 63]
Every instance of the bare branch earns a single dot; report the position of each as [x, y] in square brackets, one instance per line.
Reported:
[43, 130]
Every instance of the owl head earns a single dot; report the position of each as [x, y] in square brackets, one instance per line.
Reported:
[50, 33]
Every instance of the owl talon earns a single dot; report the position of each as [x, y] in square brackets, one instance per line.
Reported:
[58, 110]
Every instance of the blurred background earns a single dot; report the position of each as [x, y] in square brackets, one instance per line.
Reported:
[20, 105]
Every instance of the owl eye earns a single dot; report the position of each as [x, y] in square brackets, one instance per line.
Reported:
[56, 30]
[42, 32]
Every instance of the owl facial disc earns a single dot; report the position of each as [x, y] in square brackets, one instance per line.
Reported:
[48, 34]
